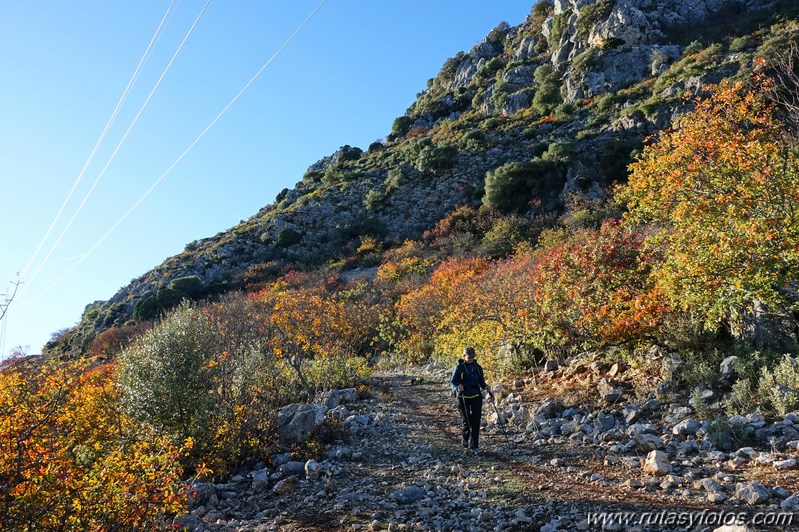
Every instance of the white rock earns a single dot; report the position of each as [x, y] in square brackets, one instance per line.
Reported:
[312, 470]
[657, 464]
[782, 465]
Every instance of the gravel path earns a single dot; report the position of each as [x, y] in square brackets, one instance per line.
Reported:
[405, 470]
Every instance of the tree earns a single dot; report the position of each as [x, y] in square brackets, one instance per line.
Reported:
[722, 187]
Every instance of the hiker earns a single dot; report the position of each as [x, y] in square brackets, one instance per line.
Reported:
[468, 384]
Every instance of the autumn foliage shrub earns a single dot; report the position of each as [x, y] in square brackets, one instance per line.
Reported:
[723, 189]
[71, 460]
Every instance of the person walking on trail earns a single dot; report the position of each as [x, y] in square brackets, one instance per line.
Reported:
[468, 383]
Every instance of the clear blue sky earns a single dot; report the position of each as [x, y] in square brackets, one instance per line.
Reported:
[352, 69]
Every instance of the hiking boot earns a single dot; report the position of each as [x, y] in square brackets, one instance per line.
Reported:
[476, 451]
[465, 443]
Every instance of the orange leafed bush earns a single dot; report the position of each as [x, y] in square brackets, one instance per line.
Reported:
[724, 187]
[70, 459]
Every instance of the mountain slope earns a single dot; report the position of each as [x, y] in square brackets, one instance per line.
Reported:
[532, 120]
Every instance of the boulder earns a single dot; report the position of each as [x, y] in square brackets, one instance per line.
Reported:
[346, 395]
[312, 470]
[727, 366]
[657, 464]
[287, 485]
[409, 495]
[686, 427]
[550, 410]
[297, 421]
[752, 493]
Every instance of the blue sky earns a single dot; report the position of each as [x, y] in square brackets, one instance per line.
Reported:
[353, 68]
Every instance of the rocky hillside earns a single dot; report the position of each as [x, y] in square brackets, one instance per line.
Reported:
[567, 97]
[611, 463]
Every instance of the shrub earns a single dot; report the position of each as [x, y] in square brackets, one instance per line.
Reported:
[191, 286]
[401, 126]
[497, 36]
[309, 179]
[488, 70]
[507, 188]
[373, 199]
[710, 184]
[334, 174]
[503, 237]
[396, 177]
[287, 237]
[474, 140]
[166, 376]
[585, 61]
[113, 340]
[559, 25]
[163, 300]
[590, 15]
[434, 159]
[547, 94]
[559, 153]
[779, 387]
[71, 460]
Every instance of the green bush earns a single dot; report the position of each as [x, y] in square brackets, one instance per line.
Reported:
[401, 126]
[692, 48]
[153, 306]
[507, 188]
[396, 177]
[334, 174]
[474, 140]
[450, 67]
[505, 234]
[310, 178]
[287, 237]
[779, 387]
[488, 70]
[585, 61]
[559, 153]
[559, 24]
[434, 159]
[373, 199]
[191, 286]
[497, 36]
[166, 378]
[547, 94]
[590, 15]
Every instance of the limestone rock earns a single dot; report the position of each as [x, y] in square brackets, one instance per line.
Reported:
[657, 464]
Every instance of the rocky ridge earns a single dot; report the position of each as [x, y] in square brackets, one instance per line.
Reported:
[609, 462]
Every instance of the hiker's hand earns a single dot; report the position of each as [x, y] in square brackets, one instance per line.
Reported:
[460, 387]
[490, 393]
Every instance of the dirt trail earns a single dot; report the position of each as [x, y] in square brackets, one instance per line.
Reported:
[408, 471]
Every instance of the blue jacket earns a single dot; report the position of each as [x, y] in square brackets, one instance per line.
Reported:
[470, 374]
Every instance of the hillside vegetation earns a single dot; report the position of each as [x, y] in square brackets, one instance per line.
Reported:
[591, 180]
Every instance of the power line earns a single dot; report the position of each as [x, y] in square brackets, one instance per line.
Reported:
[180, 158]
[100, 140]
[119, 145]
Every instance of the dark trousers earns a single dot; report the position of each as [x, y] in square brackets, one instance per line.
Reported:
[471, 410]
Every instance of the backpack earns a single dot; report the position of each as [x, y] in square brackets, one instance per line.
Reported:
[462, 371]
